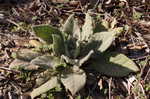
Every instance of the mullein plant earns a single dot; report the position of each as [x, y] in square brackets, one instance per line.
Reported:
[70, 48]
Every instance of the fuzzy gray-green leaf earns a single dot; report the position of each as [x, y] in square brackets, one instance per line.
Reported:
[106, 38]
[43, 77]
[16, 64]
[22, 65]
[58, 45]
[46, 61]
[69, 24]
[74, 81]
[52, 83]
[113, 64]
[44, 32]
[87, 29]
[76, 30]
[26, 54]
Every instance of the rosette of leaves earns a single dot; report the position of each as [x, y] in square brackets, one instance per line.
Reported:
[74, 46]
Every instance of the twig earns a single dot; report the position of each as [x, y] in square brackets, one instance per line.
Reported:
[142, 89]
[110, 81]
[9, 95]
[15, 12]
[138, 58]
[7, 69]
[126, 85]
[16, 86]
[81, 6]
[97, 3]
[147, 75]
[10, 21]
[2, 76]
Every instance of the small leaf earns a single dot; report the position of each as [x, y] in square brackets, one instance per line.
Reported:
[74, 81]
[117, 30]
[87, 29]
[50, 84]
[137, 15]
[69, 24]
[58, 44]
[44, 32]
[47, 61]
[106, 24]
[113, 23]
[113, 64]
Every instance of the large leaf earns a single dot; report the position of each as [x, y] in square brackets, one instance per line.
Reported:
[69, 24]
[50, 84]
[76, 30]
[85, 58]
[58, 44]
[44, 32]
[43, 77]
[106, 38]
[113, 64]
[73, 47]
[22, 65]
[87, 29]
[74, 81]
[16, 64]
[87, 47]
[25, 54]
[46, 61]
[71, 27]
[77, 50]
[77, 38]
